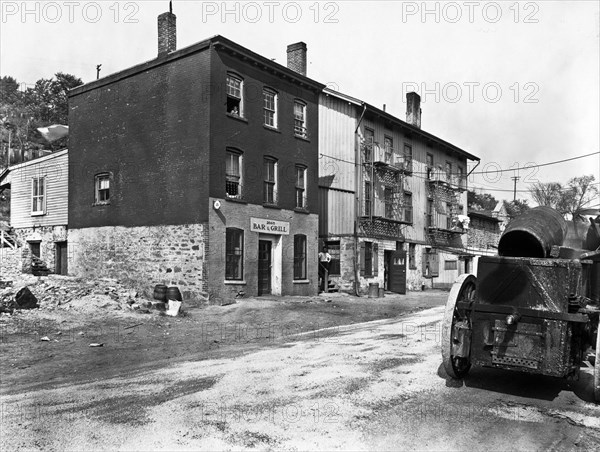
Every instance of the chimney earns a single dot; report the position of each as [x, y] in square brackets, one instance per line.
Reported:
[296, 57]
[167, 32]
[413, 109]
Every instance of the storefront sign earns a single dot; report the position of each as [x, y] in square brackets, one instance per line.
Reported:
[269, 226]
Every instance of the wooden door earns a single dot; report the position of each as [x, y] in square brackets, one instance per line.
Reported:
[264, 267]
[397, 272]
[61, 258]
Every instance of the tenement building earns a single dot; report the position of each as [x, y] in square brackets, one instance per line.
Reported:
[198, 168]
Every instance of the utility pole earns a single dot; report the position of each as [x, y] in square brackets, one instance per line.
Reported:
[515, 179]
[98, 66]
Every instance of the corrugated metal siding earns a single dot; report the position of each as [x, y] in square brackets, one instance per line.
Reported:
[55, 170]
[336, 212]
[337, 122]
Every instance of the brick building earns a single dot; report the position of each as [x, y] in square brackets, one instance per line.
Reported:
[198, 168]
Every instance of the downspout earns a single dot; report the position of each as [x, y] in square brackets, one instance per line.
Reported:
[357, 185]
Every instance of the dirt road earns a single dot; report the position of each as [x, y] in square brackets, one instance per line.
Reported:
[371, 386]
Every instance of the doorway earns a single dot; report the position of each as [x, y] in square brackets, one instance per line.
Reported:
[61, 258]
[264, 267]
[397, 272]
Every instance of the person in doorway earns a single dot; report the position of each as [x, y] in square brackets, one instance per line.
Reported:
[324, 260]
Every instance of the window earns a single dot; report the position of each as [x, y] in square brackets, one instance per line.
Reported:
[450, 265]
[368, 198]
[300, 187]
[333, 248]
[429, 164]
[38, 196]
[369, 142]
[233, 174]
[449, 172]
[102, 184]
[234, 95]
[270, 107]
[369, 264]
[412, 264]
[300, 119]
[408, 208]
[448, 215]
[388, 196]
[408, 157]
[234, 254]
[270, 181]
[430, 213]
[299, 256]
[461, 177]
[388, 146]
[35, 249]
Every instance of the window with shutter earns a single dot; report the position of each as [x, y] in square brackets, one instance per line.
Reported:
[362, 259]
[375, 259]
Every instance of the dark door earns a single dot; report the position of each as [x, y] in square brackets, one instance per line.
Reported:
[264, 267]
[61, 258]
[35, 249]
[397, 272]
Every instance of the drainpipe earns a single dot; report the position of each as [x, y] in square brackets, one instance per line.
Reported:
[357, 185]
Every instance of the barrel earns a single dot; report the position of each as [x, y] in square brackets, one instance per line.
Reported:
[173, 293]
[373, 290]
[533, 233]
[160, 292]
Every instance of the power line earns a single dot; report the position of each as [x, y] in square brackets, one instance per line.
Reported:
[495, 171]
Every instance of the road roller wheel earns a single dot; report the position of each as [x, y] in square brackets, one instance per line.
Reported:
[462, 290]
[597, 366]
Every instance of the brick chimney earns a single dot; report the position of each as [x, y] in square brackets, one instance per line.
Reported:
[296, 57]
[413, 109]
[167, 32]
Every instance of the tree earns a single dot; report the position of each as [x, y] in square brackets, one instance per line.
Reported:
[578, 195]
[483, 201]
[569, 200]
[21, 113]
[548, 194]
[516, 207]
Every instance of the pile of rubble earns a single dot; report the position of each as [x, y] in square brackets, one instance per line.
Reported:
[59, 292]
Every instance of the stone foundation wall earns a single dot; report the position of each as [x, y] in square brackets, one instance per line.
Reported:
[10, 263]
[143, 256]
[47, 236]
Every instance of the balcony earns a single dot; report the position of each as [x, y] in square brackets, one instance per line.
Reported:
[386, 158]
[381, 227]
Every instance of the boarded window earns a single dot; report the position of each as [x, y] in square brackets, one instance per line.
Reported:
[450, 265]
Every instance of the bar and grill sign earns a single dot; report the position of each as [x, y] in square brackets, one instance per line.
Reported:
[269, 226]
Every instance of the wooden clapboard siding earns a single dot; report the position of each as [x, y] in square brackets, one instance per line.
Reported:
[337, 123]
[336, 212]
[55, 169]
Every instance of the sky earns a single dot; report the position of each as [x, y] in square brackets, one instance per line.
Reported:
[514, 83]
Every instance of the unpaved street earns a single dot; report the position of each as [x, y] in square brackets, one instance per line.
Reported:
[371, 386]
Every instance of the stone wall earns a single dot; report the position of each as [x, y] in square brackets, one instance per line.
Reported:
[47, 236]
[143, 256]
[483, 235]
[10, 263]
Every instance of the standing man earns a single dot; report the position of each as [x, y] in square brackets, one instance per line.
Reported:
[324, 260]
